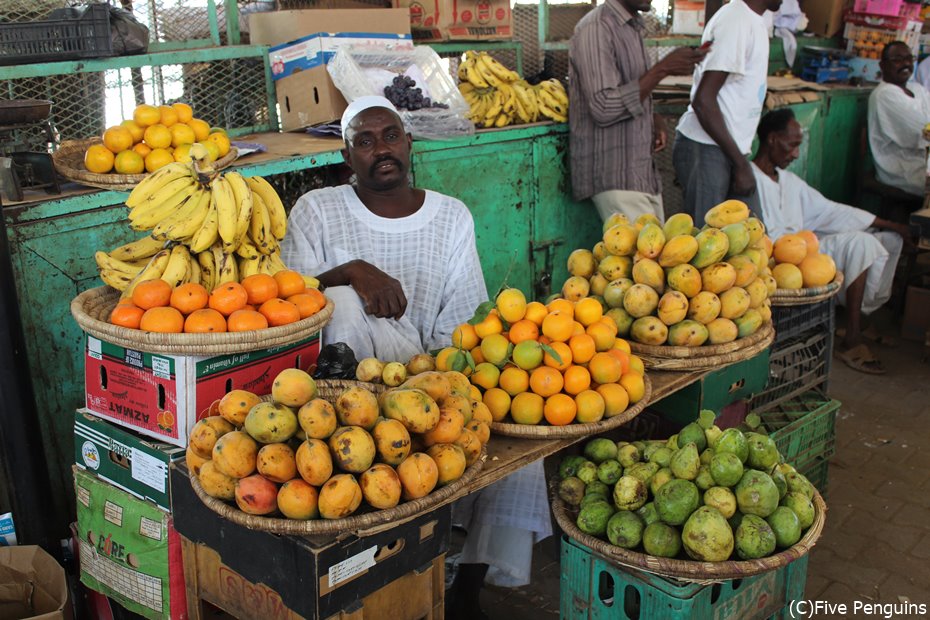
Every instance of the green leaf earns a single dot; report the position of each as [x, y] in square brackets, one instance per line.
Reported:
[459, 362]
[552, 352]
[481, 312]
[470, 360]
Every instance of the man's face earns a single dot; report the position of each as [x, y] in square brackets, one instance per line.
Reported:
[785, 146]
[897, 64]
[634, 6]
[378, 149]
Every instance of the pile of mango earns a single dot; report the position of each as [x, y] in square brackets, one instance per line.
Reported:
[798, 263]
[307, 458]
[677, 284]
[715, 494]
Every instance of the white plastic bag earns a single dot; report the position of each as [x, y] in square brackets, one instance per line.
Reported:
[360, 71]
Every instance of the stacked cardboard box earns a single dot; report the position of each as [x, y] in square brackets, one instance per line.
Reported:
[872, 24]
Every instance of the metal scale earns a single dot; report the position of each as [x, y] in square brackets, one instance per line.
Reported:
[27, 139]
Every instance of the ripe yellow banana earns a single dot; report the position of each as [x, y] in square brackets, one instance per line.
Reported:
[180, 224]
[260, 226]
[115, 279]
[276, 213]
[178, 266]
[503, 119]
[152, 271]
[555, 88]
[226, 268]
[503, 73]
[196, 275]
[249, 266]
[106, 261]
[155, 181]
[145, 247]
[209, 230]
[247, 249]
[227, 213]
[243, 195]
[207, 269]
[474, 76]
[527, 99]
[494, 109]
[551, 102]
[276, 262]
[163, 203]
[487, 75]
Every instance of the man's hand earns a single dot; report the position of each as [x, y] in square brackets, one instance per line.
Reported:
[659, 132]
[682, 60]
[382, 295]
[742, 182]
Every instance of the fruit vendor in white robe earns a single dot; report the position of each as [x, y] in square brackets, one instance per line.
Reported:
[401, 266]
[865, 248]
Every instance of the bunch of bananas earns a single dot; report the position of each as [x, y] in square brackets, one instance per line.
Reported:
[498, 97]
[205, 227]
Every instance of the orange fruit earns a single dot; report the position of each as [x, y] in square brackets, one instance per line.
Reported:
[181, 134]
[162, 319]
[279, 312]
[623, 345]
[465, 337]
[577, 379]
[558, 326]
[560, 409]
[790, 249]
[204, 321]
[577, 328]
[182, 153]
[588, 310]
[527, 408]
[511, 304]
[127, 315]
[129, 162]
[157, 136]
[477, 355]
[201, 128]
[221, 141]
[536, 312]
[246, 320]
[118, 139]
[189, 298]
[183, 112]
[817, 270]
[634, 385]
[151, 294]
[546, 381]
[142, 149]
[616, 399]
[583, 348]
[813, 243]
[134, 130]
[603, 334]
[565, 356]
[146, 115]
[290, 283]
[307, 303]
[498, 402]
[490, 325]
[562, 305]
[605, 368]
[157, 158]
[514, 380]
[523, 329]
[261, 287]
[636, 365]
[591, 407]
[623, 357]
[98, 159]
[167, 115]
[229, 297]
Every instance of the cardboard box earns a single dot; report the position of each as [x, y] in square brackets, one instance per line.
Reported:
[916, 323]
[311, 577]
[459, 20]
[128, 549]
[825, 16]
[302, 42]
[163, 396]
[123, 458]
[716, 390]
[32, 585]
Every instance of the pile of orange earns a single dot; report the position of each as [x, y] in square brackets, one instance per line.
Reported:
[560, 363]
[154, 137]
[259, 301]
[798, 263]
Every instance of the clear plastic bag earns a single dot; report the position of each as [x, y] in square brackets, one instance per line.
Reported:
[358, 71]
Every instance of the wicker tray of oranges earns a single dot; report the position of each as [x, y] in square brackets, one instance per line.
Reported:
[69, 163]
[92, 310]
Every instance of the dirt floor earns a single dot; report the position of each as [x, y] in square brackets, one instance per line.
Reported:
[876, 542]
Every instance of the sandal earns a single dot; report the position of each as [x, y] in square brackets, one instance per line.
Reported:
[860, 358]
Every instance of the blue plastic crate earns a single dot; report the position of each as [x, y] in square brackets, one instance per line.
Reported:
[592, 588]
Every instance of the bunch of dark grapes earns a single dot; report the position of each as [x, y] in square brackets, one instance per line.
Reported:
[403, 94]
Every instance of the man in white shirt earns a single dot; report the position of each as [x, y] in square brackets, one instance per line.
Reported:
[865, 248]
[401, 266]
[715, 133]
[898, 112]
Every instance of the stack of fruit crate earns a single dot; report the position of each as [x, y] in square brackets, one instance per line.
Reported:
[872, 24]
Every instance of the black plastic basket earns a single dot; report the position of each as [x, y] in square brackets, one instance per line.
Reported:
[57, 39]
[796, 366]
[792, 321]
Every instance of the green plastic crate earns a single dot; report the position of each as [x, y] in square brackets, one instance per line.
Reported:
[594, 589]
[803, 428]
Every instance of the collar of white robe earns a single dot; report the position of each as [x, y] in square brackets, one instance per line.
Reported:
[361, 104]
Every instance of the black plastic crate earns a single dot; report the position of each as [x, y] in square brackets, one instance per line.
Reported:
[796, 366]
[792, 321]
[57, 39]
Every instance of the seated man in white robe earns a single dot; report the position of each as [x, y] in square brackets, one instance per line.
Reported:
[899, 109]
[865, 248]
[401, 266]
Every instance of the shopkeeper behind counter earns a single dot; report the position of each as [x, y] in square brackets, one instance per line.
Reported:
[401, 266]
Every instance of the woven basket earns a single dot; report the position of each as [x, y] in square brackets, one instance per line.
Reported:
[705, 357]
[545, 431]
[69, 162]
[91, 309]
[692, 570]
[359, 524]
[330, 389]
[802, 296]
